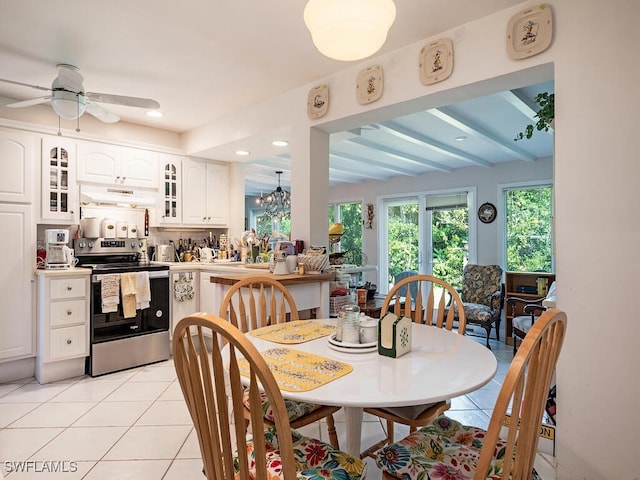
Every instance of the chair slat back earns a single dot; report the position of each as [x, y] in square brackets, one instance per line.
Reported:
[526, 387]
[423, 308]
[201, 370]
[256, 302]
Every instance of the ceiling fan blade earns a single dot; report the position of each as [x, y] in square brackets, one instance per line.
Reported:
[46, 89]
[122, 100]
[101, 113]
[69, 78]
[28, 103]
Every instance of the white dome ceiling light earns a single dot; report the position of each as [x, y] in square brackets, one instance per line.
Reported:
[348, 30]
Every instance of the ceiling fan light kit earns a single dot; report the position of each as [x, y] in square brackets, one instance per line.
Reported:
[70, 100]
[348, 30]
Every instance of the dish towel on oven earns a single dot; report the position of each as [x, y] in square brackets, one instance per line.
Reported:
[143, 293]
[110, 292]
[128, 287]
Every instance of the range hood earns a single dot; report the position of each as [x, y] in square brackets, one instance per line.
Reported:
[116, 195]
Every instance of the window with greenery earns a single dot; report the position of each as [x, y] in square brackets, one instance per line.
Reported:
[450, 232]
[350, 216]
[529, 213]
[266, 226]
[403, 237]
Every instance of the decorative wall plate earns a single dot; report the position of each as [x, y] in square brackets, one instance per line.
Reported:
[369, 84]
[529, 32]
[487, 212]
[318, 101]
[436, 61]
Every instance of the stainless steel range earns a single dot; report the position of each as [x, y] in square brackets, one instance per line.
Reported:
[123, 337]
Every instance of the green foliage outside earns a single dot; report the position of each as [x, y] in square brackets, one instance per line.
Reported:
[529, 230]
[450, 232]
[265, 226]
[403, 239]
[350, 215]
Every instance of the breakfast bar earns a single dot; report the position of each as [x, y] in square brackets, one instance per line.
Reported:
[310, 292]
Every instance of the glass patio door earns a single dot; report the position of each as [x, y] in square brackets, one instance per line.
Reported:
[427, 234]
[447, 233]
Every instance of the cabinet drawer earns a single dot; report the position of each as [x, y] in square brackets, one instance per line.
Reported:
[68, 288]
[68, 342]
[67, 313]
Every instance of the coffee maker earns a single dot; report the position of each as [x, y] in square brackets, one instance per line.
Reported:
[57, 250]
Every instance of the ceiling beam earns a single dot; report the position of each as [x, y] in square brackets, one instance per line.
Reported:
[392, 152]
[367, 161]
[422, 140]
[447, 115]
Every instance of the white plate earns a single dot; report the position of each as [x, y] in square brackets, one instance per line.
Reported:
[373, 348]
[351, 346]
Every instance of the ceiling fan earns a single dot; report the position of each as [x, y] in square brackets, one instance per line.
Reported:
[70, 100]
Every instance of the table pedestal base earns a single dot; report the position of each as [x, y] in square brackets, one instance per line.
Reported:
[354, 430]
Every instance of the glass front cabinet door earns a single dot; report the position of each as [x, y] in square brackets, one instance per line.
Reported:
[59, 188]
[169, 205]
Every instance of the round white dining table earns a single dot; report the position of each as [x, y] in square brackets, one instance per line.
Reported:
[441, 365]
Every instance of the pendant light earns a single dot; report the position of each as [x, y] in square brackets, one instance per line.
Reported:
[277, 204]
[349, 30]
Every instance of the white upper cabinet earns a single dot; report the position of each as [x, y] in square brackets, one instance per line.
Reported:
[205, 192]
[17, 151]
[59, 189]
[169, 203]
[114, 165]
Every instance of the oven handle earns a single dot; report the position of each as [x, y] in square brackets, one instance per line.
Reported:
[152, 274]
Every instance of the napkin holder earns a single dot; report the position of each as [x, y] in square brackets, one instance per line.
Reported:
[394, 335]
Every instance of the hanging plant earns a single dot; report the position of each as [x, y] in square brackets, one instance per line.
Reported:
[545, 115]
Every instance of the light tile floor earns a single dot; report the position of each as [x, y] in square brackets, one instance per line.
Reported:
[134, 425]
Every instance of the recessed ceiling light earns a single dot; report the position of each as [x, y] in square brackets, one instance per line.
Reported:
[242, 153]
[280, 143]
[461, 138]
[155, 113]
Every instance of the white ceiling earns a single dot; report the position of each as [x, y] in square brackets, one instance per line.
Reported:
[202, 59]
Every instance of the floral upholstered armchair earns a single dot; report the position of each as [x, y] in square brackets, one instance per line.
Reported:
[482, 296]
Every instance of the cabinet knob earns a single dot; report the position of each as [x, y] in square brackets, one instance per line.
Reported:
[69, 288]
[68, 341]
[124, 178]
[69, 312]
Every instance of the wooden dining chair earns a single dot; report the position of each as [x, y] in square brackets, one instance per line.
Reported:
[426, 310]
[214, 390]
[448, 448]
[259, 301]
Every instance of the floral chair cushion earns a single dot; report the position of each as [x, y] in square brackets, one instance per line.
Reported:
[315, 460]
[480, 283]
[476, 312]
[443, 450]
[295, 409]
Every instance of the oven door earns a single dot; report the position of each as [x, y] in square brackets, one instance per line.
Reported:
[113, 325]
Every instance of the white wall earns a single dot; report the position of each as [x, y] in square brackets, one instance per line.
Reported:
[486, 181]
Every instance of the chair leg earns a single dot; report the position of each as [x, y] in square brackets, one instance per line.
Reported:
[498, 329]
[331, 429]
[488, 329]
[515, 343]
[389, 431]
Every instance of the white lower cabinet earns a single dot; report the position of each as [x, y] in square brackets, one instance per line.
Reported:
[63, 324]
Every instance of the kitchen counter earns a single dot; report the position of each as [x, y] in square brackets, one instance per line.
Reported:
[63, 272]
[288, 280]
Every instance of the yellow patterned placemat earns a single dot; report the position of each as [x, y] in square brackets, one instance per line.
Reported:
[297, 371]
[297, 331]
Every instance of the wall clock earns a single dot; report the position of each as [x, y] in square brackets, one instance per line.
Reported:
[487, 212]
[436, 61]
[318, 101]
[529, 32]
[369, 84]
